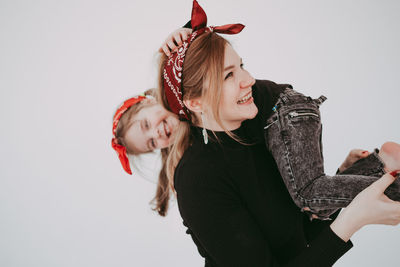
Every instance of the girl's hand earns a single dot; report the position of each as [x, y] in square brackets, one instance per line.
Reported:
[175, 40]
[353, 156]
[370, 206]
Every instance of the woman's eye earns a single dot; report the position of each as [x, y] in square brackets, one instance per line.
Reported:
[230, 74]
[153, 143]
[146, 124]
[242, 66]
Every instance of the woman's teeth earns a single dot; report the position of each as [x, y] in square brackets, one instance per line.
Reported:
[244, 99]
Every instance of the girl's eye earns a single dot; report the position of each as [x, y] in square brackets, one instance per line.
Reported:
[153, 143]
[242, 65]
[146, 124]
[230, 74]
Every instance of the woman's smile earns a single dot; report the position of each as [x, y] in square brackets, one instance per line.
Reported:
[247, 99]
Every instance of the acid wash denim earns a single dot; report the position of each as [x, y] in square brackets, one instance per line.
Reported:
[293, 136]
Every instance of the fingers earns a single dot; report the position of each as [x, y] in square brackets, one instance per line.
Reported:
[177, 38]
[383, 182]
[359, 153]
[165, 49]
[171, 44]
[364, 154]
[185, 34]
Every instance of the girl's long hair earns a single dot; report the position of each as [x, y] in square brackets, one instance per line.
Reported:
[161, 200]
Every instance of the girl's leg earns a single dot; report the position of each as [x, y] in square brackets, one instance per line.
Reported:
[293, 135]
[379, 162]
[372, 165]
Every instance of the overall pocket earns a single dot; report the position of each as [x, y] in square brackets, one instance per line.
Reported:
[302, 115]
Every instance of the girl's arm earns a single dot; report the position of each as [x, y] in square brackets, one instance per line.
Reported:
[175, 40]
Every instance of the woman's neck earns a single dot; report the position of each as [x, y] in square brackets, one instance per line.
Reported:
[213, 125]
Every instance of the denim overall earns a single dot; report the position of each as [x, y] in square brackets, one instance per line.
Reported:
[293, 136]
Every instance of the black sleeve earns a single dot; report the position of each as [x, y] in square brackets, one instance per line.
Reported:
[265, 94]
[229, 235]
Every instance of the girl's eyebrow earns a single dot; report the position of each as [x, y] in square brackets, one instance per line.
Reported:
[141, 125]
[148, 143]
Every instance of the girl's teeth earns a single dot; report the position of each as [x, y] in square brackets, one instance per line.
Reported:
[166, 128]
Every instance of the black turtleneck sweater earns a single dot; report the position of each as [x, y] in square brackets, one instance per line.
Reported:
[236, 207]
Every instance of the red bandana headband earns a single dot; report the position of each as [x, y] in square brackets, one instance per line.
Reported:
[120, 149]
[172, 72]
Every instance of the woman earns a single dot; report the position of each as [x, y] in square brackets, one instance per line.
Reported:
[229, 190]
[143, 126]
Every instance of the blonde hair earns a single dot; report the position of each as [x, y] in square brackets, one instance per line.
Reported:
[202, 77]
[125, 121]
[161, 199]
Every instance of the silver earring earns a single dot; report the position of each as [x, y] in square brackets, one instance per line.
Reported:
[205, 135]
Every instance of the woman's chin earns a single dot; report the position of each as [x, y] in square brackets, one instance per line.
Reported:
[252, 111]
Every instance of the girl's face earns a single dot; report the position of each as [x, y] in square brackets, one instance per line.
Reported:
[152, 128]
[236, 103]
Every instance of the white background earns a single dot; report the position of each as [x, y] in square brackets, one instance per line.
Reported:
[65, 66]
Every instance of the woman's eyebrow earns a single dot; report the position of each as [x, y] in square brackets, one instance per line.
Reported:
[232, 66]
[229, 67]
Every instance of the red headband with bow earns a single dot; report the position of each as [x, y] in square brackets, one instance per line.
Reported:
[120, 149]
[172, 73]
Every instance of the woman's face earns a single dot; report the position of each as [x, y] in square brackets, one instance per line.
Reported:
[152, 128]
[236, 103]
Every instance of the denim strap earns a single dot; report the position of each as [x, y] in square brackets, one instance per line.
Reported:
[320, 100]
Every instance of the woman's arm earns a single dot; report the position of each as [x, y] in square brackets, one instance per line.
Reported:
[227, 232]
[371, 206]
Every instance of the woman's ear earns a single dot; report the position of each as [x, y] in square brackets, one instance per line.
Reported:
[194, 105]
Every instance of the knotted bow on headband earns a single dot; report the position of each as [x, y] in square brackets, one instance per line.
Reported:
[121, 150]
[172, 72]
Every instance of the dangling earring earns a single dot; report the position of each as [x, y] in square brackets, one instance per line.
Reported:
[205, 135]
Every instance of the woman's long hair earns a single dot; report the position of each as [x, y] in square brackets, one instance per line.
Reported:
[202, 77]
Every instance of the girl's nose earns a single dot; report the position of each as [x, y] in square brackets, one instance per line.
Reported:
[158, 133]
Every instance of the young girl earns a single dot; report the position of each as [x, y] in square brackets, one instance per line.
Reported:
[141, 125]
[230, 193]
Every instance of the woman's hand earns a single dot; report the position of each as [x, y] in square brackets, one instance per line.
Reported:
[175, 40]
[370, 206]
[352, 157]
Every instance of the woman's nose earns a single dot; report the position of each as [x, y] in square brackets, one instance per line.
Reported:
[247, 81]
